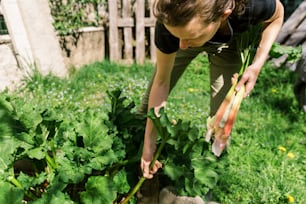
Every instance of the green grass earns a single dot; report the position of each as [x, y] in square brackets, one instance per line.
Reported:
[254, 169]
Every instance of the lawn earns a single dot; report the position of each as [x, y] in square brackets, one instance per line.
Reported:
[265, 163]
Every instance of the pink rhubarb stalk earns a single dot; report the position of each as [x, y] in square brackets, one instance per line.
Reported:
[220, 125]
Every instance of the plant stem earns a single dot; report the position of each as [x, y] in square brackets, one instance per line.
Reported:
[142, 179]
[165, 136]
[14, 181]
[51, 163]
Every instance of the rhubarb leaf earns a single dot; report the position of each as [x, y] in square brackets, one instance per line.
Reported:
[99, 190]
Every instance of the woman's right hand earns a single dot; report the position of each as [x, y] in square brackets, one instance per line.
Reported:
[145, 167]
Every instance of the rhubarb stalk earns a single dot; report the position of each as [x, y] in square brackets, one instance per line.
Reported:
[220, 125]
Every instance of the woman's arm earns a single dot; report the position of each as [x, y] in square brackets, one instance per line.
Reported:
[157, 99]
[271, 29]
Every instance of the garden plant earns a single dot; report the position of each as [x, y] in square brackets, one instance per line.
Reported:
[78, 140]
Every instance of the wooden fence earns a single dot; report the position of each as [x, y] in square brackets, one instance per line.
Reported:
[128, 32]
[131, 31]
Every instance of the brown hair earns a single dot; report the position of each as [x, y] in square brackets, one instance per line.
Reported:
[240, 6]
[180, 12]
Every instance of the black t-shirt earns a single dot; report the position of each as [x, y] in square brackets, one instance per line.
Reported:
[256, 11]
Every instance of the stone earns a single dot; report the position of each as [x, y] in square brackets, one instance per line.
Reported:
[167, 196]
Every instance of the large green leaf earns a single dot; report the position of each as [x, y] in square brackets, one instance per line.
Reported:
[94, 132]
[70, 171]
[36, 153]
[7, 147]
[174, 171]
[54, 198]
[99, 190]
[204, 172]
[121, 183]
[293, 53]
[102, 161]
[31, 181]
[29, 116]
[10, 194]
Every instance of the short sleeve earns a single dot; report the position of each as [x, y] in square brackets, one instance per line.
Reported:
[256, 12]
[164, 40]
[262, 10]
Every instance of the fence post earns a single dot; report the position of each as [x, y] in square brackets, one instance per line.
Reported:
[152, 33]
[127, 31]
[121, 24]
[113, 30]
[140, 31]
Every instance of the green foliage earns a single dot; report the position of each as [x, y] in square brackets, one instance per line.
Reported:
[293, 53]
[99, 190]
[62, 152]
[57, 128]
[69, 16]
[73, 154]
[9, 193]
[194, 172]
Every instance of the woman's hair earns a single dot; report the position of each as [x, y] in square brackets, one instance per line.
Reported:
[180, 12]
[240, 6]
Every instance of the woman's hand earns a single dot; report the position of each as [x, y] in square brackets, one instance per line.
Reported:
[145, 167]
[148, 152]
[248, 78]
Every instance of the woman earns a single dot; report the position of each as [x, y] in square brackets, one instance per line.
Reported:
[186, 28]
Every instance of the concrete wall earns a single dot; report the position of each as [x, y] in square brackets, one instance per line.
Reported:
[88, 47]
[32, 40]
[10, 74]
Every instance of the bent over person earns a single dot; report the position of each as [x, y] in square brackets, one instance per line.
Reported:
[186, 28]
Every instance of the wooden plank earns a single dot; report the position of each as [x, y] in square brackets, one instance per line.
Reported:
[292, 23]
[152, 45]
[113, 31]
[121, 31]
[140, 31]
[125, 22]
[298, 36]
[151, 23]
[127, 31]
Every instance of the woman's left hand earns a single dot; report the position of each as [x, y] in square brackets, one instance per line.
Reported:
[248, 78]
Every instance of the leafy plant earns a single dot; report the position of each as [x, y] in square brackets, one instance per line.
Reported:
[62, 154]
[194, 172]
[253, 170]
[69, 16]
[50, 157]
[293, 53]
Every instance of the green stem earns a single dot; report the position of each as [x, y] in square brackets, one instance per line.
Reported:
[51, 163]
[142, 179]
[165, 136]
[14, 181]
[125, 162]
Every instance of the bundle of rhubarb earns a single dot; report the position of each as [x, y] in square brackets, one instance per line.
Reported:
[220, 125]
